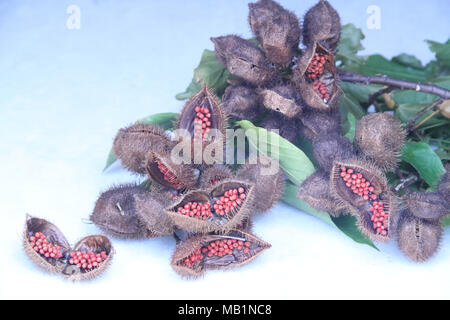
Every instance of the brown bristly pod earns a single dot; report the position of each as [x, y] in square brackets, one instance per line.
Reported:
[241, 102]
[277, 30]
[216, 251]
[211, 175]
[363, 188]
[426, 205]
[328, 148]
[115, 212]
[132, 144]
[282, 99]
[418, 238]
[322, 23]
[380, 137]
[287, 128]
[244, 59]
[45, 244]
[317, 123]
[90, 257]
[315, 190]
[443, 186]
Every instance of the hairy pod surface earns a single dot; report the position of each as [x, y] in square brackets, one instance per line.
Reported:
[380, 137]
[444, 186]
[282, 99]
[214, 251]
[426, 205]
[277, 30]
[241, 102]
[330, 148]
[244, 59]
[317, 123]
[287, 128]
[214, 174]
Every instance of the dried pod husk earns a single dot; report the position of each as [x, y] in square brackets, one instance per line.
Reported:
[418, 238]
[241, 102]
[132, 144]
[283, 99]
[213, 174]
[363, 188]
[115, 212]
[317, 123]
[95, 244]
[165, 172]
[213, 215]
[197, 254]
[380, 137]
[444, 186]
[426, 205]
[328, 148]
[54, 236]
[322, 23]
[317, 84]
[268, 179]
[244, 59]
[276, 29]
[287, 128]
[315, 190]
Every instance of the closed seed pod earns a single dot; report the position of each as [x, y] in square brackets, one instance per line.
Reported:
[322, 23]
[213, 174]
[243, 59]
[45, 245]
[276, 29]
[426, 205]
[380, 137]
[241, 102]
[115, 212]
[202, 252]
[417, 238]
[444, 186]
[316, 123]
[132, 144]
[282, 99]
[328, 148]
[287, 128]
[94, 253]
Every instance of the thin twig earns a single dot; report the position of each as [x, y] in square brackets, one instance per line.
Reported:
[410, 126]
[375, 95]
[406, 183]
[431, 115]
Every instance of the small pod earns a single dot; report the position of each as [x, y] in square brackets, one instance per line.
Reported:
[328, 148]
[199, 253]
[426, 205]
[317, 123]
[283, 99]
[241, 102]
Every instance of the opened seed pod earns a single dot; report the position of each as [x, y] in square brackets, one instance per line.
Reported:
[322, 23]
[283, 99]
[45, 245]
[417, 238]
[380, 137]
[243, 59]
[202, 252]
[213, 174]
[317, 123]
[132, 144]
[276, 29]
[426, 205]
[90, 257]
[330, 148]
[241, 102]
[287, 128]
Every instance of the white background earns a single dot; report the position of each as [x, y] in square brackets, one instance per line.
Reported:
[64, 94]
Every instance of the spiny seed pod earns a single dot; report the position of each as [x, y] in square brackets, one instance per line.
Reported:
[243, 59]
[418, 238]
[317, 123]
[444, 186]
[426, 205]
[276, 29]
[115, 212]
[315, 190]
[287, 128]
[165, 172]
[363, 188]
[202, 252]
[90, 257]
[283, 99]
[315, 78]
[380, 137]
[241, 102]
[214, 174]
[329, 148]
[322, 23]
[132, 144]
[268, 179]
[45, 245]
[219, 209]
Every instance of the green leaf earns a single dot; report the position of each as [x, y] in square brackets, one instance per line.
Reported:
[211, 72]
[350, 103]
[358, 91]
[293, 161]
[446, 221]
[408, 60]
[111, 159]
[350, 135]
[347, 224]
[442, 51]
[377, 64]
[348, 47]
[427, 163]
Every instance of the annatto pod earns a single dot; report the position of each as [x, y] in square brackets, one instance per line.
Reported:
[132, 144]
[283, 99]
[418, 238]
[214, 174]
[315, 77]
[444, 186]
[276, 29]
[380, 137]
[363, 188]
[322, 24]
[287, 128]
[329, 148]
[426, 205]
[243, 59]
[217, 209]
[315, 190]
[202, 252]
[317, 123]
[241, 102]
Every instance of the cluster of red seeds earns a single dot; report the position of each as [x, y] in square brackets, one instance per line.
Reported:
[230, 200]
[41, 245]
[202, 123]
[225, 247]
[360, 186]
[192, 259]
[316, 67]
[87, 260]
[321, 89]
[196, 210]
[169, 176]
